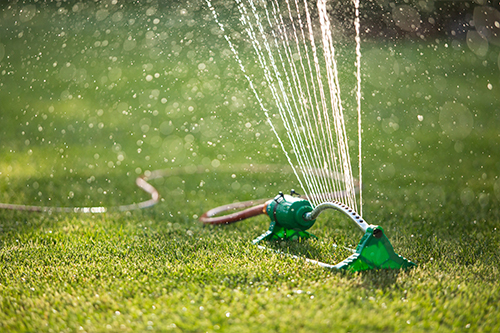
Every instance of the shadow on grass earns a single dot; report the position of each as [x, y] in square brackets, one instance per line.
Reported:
[370, 279]
[331, 251]
[380, 279]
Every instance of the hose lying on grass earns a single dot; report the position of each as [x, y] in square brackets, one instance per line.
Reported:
[291, 216]
[251, 207]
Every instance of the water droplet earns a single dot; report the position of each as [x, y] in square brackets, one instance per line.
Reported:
[406, 17]
[455, 120]
[477, 43]
[382, 66]
[150, 11]
[2, 51]
[387, 170]
[459, 146]
[118, 16]
[484, 199]
[129, 44]
[27, 13]
[467, 196]
[101, 14]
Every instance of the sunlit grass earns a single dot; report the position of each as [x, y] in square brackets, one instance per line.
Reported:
[435, 193]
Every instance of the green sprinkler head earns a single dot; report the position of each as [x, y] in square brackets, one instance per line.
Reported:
[288, 211]
[291, 216]
[287, 214]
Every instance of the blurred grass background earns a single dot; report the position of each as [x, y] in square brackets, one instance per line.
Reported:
[93, 95]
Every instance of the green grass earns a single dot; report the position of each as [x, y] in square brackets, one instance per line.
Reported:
[435, 191]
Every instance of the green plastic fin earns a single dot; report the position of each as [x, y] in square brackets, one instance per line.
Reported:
[374, 251]
[262, 237]
[277, 232]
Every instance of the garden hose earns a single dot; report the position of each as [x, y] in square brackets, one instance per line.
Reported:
[251, 208]
[291, 216]
[142, 182]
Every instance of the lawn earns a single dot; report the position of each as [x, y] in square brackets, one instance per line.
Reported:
[107, 93]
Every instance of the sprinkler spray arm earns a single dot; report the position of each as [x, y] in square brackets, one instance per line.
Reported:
[312, 215]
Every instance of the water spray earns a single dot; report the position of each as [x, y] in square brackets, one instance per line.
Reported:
[308, 101]
[306, 97]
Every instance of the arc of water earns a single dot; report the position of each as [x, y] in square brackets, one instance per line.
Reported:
[282, 101]
[252, 87]
[358, 100]
[306, 152]
[317, 119]
[303, 115]
[323, 114]
[309, 147]
[321, 147]
[334, 90]
[338, 117]
[334, 95]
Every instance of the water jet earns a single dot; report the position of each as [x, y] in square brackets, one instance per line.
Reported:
[307, 95]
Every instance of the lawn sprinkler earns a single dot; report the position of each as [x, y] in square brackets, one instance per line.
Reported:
[291, 218]
[292, 215]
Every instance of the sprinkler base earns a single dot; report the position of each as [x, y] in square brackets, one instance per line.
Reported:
[292, 216]
[374, 251]
[277, 232]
